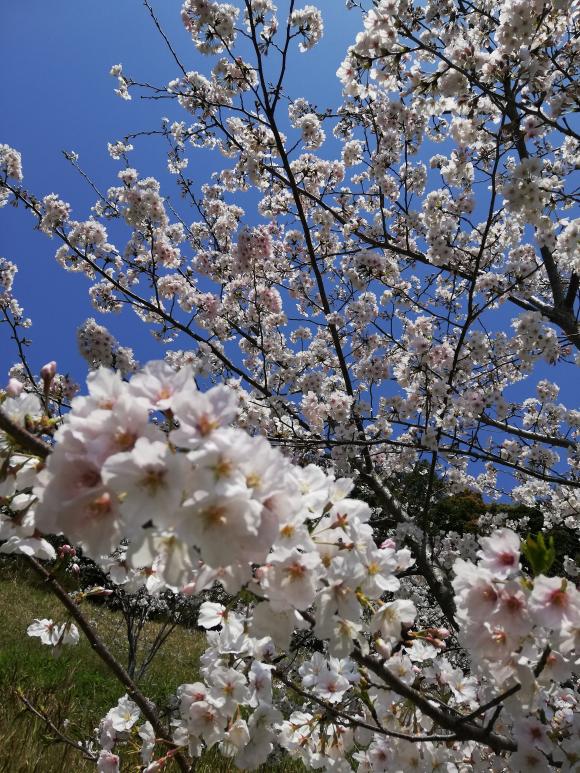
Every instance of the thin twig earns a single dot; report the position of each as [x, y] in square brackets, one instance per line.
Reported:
[77, 745]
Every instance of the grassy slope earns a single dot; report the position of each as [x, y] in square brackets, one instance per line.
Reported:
[75, 685]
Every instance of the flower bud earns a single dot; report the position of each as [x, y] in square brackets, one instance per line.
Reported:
[47, 373]
[98, 590]
[434, 640]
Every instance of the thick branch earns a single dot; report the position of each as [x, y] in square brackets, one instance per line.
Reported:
[440, 590]
[26, 440]
[345, 718]
[466, 731]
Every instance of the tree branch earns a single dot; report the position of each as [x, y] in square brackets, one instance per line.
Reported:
[76, 745]
[147, 708]
[25, 439]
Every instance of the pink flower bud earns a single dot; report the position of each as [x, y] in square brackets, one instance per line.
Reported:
[47, 373]
[75, 568]
[14, 387]
[260, 573]
[66, 550]
[388, 543]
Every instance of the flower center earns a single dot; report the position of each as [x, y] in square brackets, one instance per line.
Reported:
[125, 440]
[507, 559]
[154, 480]
[90, 479]
[214, 516]
[164, 393]
[296, 571]
[101, 506]
[513, 603]
[489, 594]
[559, 598]
[205, 425]
[223, 468]
[253, 480]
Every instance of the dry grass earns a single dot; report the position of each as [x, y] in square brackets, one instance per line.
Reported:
[74, 689]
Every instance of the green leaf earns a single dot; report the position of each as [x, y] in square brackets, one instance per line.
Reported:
[540, 555]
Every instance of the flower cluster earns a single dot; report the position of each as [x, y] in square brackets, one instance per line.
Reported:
[52, 634]
[194, 501]
[99, 347]
[254, 246]
[10, 162]
[308, 21]
[55, 214]
[7, 273]
[211, 24]
[520, 631]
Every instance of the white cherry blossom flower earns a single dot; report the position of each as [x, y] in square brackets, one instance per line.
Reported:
[500, 553]
[108, 762]
[389, 618]
[151, 479]
[46, 630]
[158, 383]
[200, 416]
[290, 583]
[224, 529]
[554, 601]
[124, 715]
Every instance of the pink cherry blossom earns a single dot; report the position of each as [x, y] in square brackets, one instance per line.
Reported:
[500, 553]
[554, 601]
